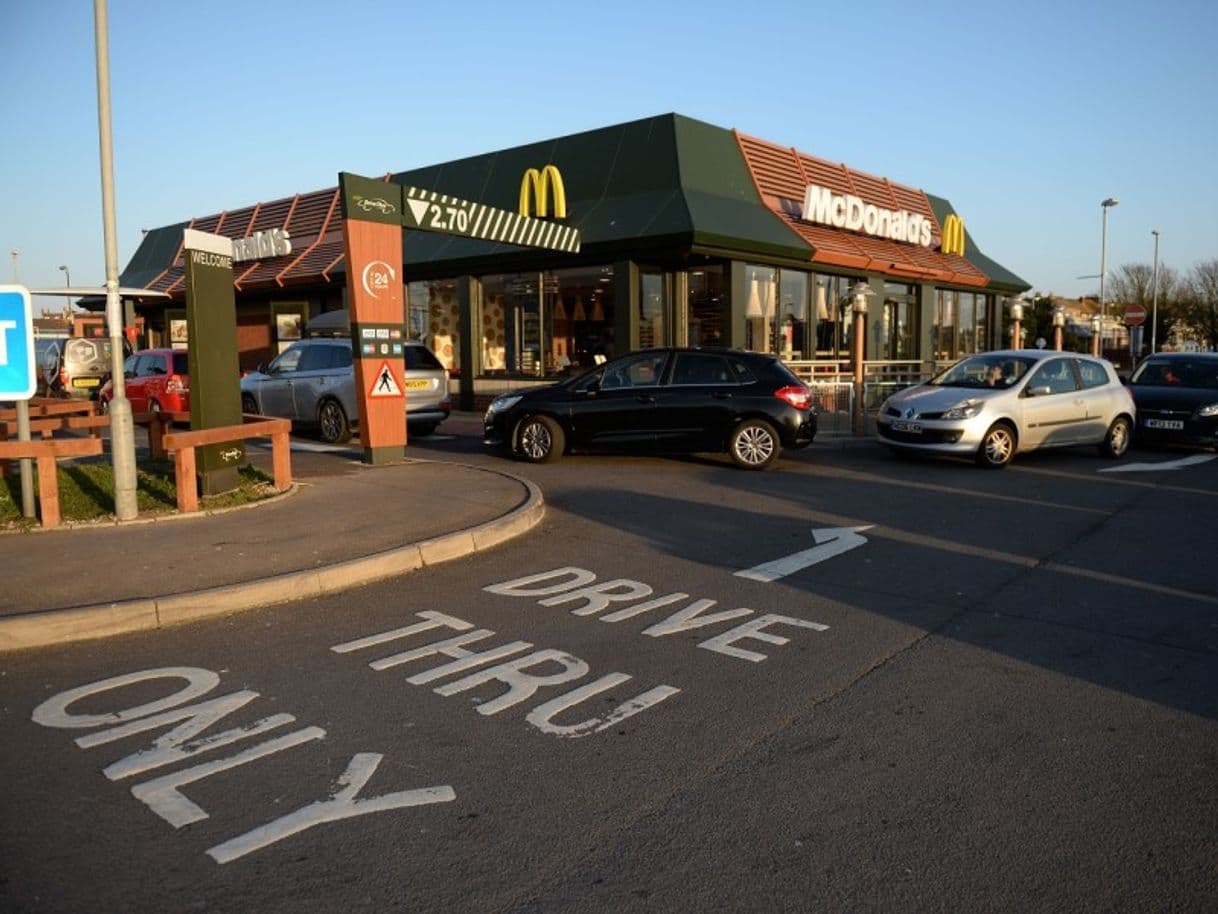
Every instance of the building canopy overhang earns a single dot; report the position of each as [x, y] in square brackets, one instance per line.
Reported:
[658, 184]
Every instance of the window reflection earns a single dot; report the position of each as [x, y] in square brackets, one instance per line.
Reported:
[546, 324]
[706, 305]
[434, 318]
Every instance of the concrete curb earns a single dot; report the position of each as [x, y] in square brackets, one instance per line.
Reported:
[102, 620]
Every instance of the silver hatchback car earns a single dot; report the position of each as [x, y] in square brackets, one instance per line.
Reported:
[997, 404]
[312, 382]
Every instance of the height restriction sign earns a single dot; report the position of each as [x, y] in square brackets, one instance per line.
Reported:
[17, 368]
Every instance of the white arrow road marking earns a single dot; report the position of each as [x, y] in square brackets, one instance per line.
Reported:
[830, 541]
[1164, 465]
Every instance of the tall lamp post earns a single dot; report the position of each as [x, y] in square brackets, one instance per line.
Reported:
[1154, 298]
[122, 425]
[67, 281]
[859, 293]
[1105, 205]
[1059, 326]
[1016, 323]
[16, 253]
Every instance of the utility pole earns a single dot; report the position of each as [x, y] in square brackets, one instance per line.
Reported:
[1154, 297]
[122, 425]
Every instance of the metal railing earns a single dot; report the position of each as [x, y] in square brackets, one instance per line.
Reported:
[832, 384]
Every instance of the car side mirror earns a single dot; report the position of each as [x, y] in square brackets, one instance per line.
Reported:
[1039, 391]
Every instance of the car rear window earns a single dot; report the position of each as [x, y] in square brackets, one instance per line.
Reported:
[743, 373]
[180, 363]
[420, 357]
[1092, 373]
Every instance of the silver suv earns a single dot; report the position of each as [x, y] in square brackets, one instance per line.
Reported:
[312, 382]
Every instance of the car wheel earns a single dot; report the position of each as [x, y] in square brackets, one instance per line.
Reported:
[248, 405]
[1116, 441]
[335, 429]
[997, 447]
[539, 439]
[103, 405]
[154, 407]
[422, 430]
[754, 445]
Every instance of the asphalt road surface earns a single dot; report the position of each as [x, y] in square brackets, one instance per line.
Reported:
[852, 683]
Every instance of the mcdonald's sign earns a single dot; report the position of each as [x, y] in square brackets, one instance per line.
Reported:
[535, 190]
[953, 235]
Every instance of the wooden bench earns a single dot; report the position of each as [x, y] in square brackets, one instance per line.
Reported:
[46, 453]
[182, 445]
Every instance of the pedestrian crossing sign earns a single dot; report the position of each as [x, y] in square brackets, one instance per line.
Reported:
[385, 383]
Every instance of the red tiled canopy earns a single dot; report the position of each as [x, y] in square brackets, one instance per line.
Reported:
[782, 175]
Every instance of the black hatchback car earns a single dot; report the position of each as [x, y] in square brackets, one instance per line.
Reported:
[1176, 394]
[673, 400]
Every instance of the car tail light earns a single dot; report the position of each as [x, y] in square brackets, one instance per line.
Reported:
[63, 377]
[175, 385]
[797, 395]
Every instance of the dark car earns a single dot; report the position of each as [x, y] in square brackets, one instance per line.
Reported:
[1177, 398]
[674, 400]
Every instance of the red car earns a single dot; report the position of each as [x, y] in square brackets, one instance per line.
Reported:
[155, 380]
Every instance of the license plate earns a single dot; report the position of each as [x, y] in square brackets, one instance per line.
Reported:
[86, 382]
[417, 384]
[900, 425]
[1173, 424]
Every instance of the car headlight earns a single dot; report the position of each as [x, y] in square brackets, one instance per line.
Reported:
[1210, 409]
[499, 404]
[965, 410]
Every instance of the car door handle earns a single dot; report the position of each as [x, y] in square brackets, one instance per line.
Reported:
[721, 395]
[645, 398]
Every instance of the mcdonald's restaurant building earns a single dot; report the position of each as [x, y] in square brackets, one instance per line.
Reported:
[691, 234]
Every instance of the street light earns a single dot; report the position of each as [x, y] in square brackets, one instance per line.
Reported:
[67, 281]
[859, 293]
[16, 253]
[1154, 297]
[1016, 309]
[1105, 205]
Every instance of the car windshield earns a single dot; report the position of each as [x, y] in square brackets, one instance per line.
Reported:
[993, 370]
[1201, 373]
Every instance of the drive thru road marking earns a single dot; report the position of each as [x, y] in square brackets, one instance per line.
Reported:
[830, 541]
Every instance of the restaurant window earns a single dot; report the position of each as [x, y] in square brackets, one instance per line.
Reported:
[546, 324]
[653, 310]
[760, 301]
[833, 325]
[945, 325]
[897, 330]
[434, 316]
[791, 326]
[705, 307]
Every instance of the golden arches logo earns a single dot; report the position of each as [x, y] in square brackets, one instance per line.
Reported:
[535, 190]
[953, 235]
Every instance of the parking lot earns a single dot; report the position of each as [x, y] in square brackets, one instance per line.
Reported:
[852, 681]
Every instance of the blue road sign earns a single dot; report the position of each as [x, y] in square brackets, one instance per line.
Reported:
[17, 369]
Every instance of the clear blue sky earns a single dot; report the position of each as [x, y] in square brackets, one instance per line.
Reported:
[1024, 115]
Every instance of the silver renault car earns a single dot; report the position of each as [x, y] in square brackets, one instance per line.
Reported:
[312, 382]
[997, 404]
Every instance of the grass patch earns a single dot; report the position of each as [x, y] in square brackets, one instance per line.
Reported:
[86, 492]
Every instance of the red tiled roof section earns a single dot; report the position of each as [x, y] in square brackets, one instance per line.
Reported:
[313, 221]
[781, 176]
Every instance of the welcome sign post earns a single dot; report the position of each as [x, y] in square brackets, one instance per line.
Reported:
[215, 386]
